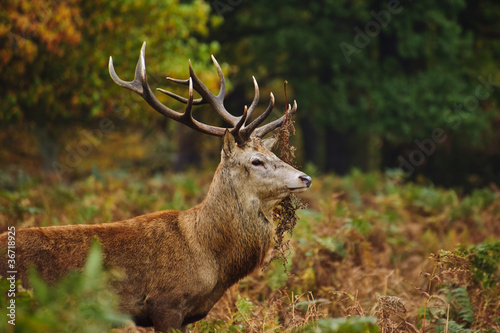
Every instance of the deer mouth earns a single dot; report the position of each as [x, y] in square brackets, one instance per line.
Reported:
[298, 189]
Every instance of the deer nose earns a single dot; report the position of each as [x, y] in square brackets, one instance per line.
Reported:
[306, 180]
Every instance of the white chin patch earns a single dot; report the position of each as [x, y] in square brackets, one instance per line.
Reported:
[298, 189]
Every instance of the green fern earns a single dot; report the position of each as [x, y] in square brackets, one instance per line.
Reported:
[460, 297]
[485, 261]
[245, 309]
[343, 325]
[453, 327]
[211, 327]
[80, 302]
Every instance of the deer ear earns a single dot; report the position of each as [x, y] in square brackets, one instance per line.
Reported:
[269, 143]
[229, 144]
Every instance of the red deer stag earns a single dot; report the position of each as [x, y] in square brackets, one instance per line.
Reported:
[178, 264]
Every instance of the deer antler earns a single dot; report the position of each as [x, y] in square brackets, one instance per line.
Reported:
[241, 129]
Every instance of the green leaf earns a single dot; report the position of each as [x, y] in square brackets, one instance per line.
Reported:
[343, 325]
[245, 309]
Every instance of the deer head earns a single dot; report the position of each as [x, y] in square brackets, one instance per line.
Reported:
[248, 156]
[254, 169]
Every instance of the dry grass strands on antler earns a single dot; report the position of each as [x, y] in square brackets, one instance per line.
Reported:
[285, 214]
[287, 152]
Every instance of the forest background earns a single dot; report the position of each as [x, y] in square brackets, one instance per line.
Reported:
[397, 99]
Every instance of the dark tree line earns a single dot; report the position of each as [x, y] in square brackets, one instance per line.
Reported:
[378, 81]
[380, 84]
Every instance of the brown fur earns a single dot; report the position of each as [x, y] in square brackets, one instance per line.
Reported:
[177, 263]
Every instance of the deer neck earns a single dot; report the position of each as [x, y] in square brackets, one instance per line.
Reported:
[234, 226]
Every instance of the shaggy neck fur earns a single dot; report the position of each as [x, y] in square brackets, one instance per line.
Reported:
[232, 224]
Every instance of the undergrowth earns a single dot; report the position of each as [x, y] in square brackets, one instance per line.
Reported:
[371, 253]
[80, 302]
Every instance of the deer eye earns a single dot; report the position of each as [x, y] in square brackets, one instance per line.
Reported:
[257, 162]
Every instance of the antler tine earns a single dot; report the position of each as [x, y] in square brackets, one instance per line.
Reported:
[181, 99]
[222, 91]
[255, 98]
[217, 102]
[140, 86]
[262, 131]
[179, 81]
[188, 119]
[247, 131]
[240, 135]
[189, 106]
[184, 100]
[135, 85]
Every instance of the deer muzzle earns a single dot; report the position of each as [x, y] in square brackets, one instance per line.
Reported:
[306, 180]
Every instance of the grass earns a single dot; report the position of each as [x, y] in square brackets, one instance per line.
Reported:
[371, 253]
